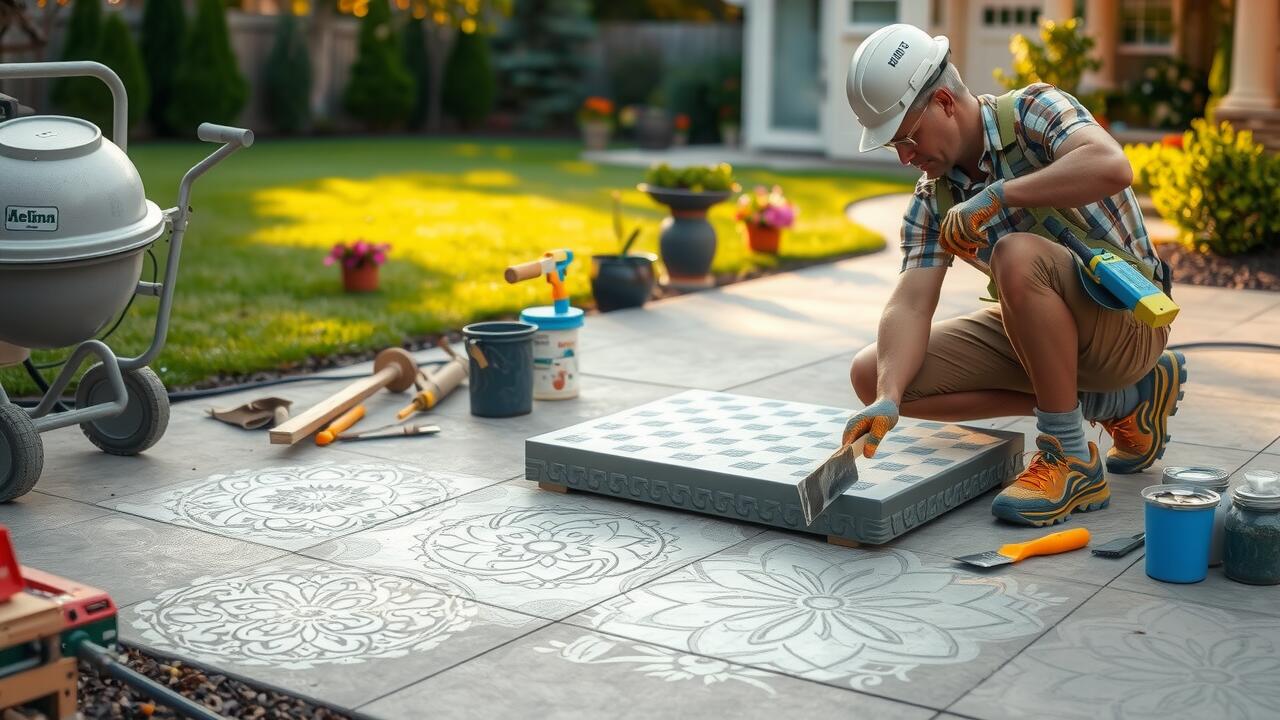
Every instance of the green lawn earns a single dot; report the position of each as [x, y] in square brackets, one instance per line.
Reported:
[253, 294]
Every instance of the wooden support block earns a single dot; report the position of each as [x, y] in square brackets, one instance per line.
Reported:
[553, 487]
[53, 686]
[843, 542]
[26, 617]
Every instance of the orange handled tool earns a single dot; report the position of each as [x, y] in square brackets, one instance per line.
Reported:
[347, 419]
[1051, 544]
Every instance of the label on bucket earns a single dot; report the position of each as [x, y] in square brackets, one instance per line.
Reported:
[555, 364]
[21, 217]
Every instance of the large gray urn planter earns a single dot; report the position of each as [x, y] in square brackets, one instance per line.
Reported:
[688, 240]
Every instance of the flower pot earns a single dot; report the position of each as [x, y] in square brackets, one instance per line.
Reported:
[653, 129]
[622, 281]
[688, 241]
[680, 139]
[595, 134]
[729, 135]
[763, 239]
[360, 279]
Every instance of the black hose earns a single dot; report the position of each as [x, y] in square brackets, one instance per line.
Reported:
[181, 395]
[105, 663]
[34, 372]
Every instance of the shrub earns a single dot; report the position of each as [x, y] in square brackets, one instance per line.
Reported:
[418, 62]
[1061, 58]
[208, 86]
[1169, 94]
[380, 92]
[698, 178]
[120, 53]
[82, 97]
[542, 61]
[164, 26]
[469, 87]
[1147, 160]
[288, 78]
[1223, 195]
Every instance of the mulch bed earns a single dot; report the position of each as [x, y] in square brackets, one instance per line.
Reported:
[1255, 271]
[103, 698]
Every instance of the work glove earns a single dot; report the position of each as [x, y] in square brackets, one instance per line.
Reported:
[964, 228]
[877, 419]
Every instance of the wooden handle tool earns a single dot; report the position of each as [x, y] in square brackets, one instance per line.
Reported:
[394, 369]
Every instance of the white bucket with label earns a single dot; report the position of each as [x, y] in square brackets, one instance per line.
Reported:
[555, 351]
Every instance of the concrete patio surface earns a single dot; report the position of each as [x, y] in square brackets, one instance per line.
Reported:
[424, 577]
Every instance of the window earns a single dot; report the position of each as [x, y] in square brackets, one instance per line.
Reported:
[873, 12]
[1006, 16]
[1147, 23]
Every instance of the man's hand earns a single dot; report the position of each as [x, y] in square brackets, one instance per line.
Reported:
[877, 419]
[964, 227]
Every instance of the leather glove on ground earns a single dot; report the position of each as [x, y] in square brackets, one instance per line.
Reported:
[877, 419]
[964, 228]
[255, 413]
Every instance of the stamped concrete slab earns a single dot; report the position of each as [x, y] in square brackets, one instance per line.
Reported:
[36, 511]
[538, 552]
[569, 673]
[132, 558]
[337, 634]
[1129, 656]
[889, 622]
[296, 506]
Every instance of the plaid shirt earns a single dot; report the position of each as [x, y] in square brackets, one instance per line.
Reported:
[1044, 117]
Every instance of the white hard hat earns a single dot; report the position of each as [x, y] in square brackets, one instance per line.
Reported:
[886, 73]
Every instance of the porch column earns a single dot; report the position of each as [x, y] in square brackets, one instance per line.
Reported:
[1101, 20]
[956, 28]
[1253, 65]
[1059, 10]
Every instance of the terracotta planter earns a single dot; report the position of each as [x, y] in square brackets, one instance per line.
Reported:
[361, 279]
[595, 135]
[763, 239]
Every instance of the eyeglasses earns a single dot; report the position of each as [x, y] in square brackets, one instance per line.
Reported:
[908, 142]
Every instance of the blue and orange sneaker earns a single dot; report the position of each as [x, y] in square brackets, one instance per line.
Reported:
[1053, 486]
[1141, 436]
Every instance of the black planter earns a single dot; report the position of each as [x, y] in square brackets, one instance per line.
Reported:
[688, 241]
[653, 128]
[622, 281]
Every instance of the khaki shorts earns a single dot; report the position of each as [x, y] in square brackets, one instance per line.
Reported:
[972, 352]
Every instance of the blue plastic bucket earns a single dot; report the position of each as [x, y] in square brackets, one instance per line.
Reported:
[1179, 521]
[501, 359]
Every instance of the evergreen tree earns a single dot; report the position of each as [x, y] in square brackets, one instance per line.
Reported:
[380, 91]
[418, 63]
[164, 26]
[120, 53]
[468, 80]
[80, 96]
[541, 63]
[208, 86]
[288, 78]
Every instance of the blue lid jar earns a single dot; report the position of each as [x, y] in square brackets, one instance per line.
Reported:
[546, 317]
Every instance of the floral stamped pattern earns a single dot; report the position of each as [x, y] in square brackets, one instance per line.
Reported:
[545, 547]
[304, 503]
[1160, 660]
[302, 617]
[657, 662]
[852, 617]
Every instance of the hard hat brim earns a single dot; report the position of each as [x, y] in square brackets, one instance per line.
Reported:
[875, 137]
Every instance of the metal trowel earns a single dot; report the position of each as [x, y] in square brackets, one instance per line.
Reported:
[830, 479]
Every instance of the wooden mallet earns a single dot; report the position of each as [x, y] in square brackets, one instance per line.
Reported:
[393, 369]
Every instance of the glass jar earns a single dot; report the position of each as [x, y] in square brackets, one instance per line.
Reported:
[1251, 547]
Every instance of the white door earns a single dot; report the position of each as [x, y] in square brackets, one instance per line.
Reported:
[991, 25]
[788, 84]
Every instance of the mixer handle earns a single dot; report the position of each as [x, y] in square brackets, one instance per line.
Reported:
[211, 132]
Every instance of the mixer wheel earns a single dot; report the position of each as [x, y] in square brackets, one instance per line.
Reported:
[143, 421]
[21, 452]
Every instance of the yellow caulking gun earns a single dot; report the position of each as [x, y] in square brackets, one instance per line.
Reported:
[1129, 288]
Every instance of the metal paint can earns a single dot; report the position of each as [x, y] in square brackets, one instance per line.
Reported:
[1209, 478]
[1179, 526]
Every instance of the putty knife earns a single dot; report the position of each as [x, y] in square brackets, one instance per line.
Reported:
[829, 481]
[1051, 544]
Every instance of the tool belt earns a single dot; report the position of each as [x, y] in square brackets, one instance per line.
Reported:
[1012, 150]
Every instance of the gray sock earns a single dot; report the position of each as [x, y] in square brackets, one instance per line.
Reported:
[1109, 405]
[1068, 428]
